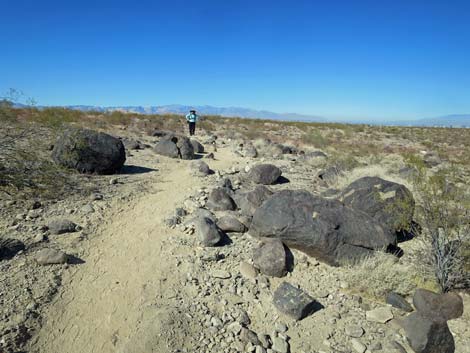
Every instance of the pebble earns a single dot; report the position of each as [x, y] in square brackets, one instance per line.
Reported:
[247, 270]
[220, 274]
[380, 315]
[354, 331]
[279, 345]
[113, 181]
[280, 327]
[358, 346]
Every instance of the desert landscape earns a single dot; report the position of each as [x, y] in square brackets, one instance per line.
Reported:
[118, 233]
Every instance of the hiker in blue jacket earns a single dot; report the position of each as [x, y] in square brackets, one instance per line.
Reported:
[192, 117]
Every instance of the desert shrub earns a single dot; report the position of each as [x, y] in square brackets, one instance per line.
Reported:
[55, 118]
[444, 214]
[315, 138]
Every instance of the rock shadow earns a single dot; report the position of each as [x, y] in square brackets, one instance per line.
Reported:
[282, 180]
[74, 260]
[134, 169]
[407, 235]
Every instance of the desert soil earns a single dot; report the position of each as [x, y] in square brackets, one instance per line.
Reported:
[145, 287]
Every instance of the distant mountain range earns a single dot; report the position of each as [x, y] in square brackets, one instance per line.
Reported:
[204, 110]
[456, 120]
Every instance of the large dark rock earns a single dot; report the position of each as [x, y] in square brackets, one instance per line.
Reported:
[167, 148]
[389, 203]
[436, 306]
[428, 336]
[9, 248]
[248, 202]
[89, 151]
[325, 229]
[271, 258]
[220, 200]
[265, 174]
[197, 147]
[175, 146]
[294, 302]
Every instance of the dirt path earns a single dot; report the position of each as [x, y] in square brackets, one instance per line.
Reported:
[110, 303]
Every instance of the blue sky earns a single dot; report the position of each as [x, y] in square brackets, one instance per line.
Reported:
[345, 59]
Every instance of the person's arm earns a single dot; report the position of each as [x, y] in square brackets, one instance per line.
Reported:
[187, 117]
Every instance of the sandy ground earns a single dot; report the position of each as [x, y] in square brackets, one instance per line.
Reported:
[104, 304]
[132, 294]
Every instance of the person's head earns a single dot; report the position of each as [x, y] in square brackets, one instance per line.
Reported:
[192, 111]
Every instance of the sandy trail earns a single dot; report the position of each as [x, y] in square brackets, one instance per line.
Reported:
[111, 302]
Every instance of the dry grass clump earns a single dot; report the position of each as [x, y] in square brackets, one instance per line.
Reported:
[381, 273]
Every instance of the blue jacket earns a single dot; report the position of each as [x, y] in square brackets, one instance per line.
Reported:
[192, 118]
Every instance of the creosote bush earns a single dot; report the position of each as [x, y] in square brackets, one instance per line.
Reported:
[443, 212]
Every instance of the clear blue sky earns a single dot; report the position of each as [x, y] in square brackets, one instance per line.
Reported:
[370, 59]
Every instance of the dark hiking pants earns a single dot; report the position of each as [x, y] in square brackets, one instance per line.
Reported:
[192, 128]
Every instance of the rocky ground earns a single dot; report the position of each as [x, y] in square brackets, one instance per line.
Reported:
[137, 279]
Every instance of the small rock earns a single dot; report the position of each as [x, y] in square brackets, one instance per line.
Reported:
[221, 274]
[294, 302]
[200, 168]
[380, 315]
[280, 345]
[61, 226]
[358, 346]
[51, 257]
[231, 224]
[216, 322]
[354, 331]
[234, 327]
[87, 209]
[113, 181]
[280, 327]
[247, 335]
[397, 301]
[10, 247]
[247, 270]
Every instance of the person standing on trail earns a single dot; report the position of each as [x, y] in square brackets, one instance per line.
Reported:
[192, 118]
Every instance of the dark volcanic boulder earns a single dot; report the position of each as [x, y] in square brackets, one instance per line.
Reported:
[249, 201]
[207, 232]
[89, 151]
[9, 248]
[389, 203]
[271, 258]
[197, 147]
[265, 174]
[175, 146]
[220, 200]
[325, 229]
[167, 148]
[428, 336]
[447, 306]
